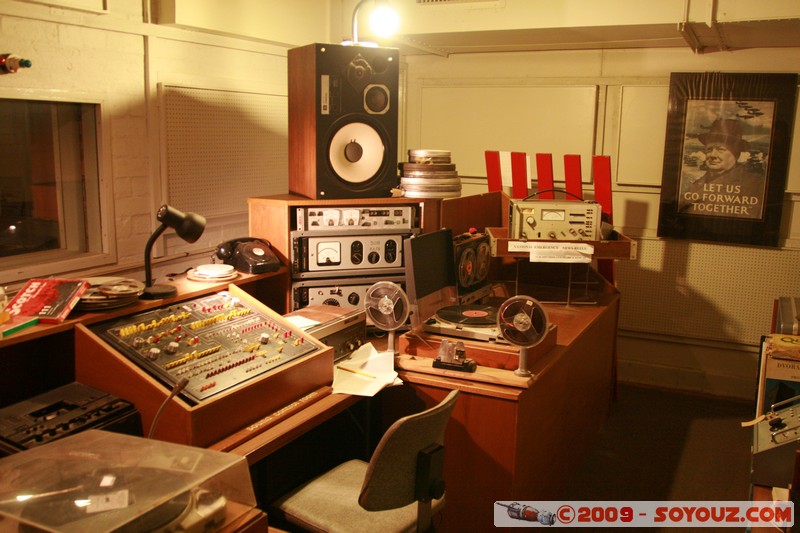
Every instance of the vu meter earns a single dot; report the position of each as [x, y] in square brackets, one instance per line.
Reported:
[554, 214]
[329, 253]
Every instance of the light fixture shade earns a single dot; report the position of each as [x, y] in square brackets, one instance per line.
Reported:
[383, 20]
[188, 226]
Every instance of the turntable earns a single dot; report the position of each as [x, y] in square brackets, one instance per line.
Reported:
[471, 321]
[438, 302]
[103, 481]
[438, 310]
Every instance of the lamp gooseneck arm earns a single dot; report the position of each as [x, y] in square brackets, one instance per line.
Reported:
[147, 251]
[355, 20]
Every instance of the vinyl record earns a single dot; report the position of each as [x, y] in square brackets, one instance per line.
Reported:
[469, 315]
[58, 506]
[356, 152]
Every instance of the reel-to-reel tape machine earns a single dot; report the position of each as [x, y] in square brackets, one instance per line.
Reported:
[473, 255]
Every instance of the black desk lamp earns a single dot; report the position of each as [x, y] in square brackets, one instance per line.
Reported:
[188, 226]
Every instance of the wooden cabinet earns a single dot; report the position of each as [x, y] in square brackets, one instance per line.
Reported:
[286, 222]
[513, 439]
[273, 217]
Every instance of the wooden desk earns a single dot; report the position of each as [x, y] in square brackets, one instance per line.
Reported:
[762, 493]
[307, 414]
[42, 357]
[512, 441]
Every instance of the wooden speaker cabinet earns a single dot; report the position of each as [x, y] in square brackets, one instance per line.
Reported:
[343, 121]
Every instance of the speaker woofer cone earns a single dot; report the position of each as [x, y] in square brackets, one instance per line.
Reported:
[342, 150]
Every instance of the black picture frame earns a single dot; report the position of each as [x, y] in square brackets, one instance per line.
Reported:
[714, 117]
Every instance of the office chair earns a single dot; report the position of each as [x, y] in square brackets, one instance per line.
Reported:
[405, 469]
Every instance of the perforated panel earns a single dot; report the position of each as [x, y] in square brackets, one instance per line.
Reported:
[222, 147]
[692, 290]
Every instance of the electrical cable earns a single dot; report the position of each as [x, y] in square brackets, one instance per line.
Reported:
[179, 386]
[537, 193]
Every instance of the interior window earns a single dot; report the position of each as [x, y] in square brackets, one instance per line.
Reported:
[49, 186]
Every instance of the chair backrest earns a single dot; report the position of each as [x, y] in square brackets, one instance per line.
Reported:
[390, 478]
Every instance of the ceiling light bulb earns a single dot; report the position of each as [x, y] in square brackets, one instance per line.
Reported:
[384, 21]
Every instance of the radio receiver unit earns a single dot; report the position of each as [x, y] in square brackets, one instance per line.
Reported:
[553, 220]
[347, 255]
[350, 219]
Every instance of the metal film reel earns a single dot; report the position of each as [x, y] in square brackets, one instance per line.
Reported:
[122, 287]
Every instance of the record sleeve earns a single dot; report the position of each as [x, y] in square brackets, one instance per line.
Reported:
[48, 299]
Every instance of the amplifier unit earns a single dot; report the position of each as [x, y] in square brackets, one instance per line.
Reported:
[344, 330]
[347, 255]
[553, 220]
[775, 442]
[346, 292]
[355, 219]
[64, 411]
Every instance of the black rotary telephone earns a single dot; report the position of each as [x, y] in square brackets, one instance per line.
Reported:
[249, 254]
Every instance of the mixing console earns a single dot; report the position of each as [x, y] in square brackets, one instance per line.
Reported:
[212, 343]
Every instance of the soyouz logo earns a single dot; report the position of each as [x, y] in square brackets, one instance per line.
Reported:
[644, 514]
[19, 303]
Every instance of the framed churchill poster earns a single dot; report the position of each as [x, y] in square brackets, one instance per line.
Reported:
[726, 156]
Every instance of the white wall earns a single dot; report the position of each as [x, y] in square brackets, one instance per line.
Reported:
[692, 314]
[118, 59]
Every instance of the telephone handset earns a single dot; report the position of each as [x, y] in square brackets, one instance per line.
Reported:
[249, 254]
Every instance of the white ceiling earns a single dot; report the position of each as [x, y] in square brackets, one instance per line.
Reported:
[700, 37]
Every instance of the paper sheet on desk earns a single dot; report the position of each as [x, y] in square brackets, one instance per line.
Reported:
[373, 371]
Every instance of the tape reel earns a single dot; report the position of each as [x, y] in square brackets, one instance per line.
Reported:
[122, 288]
[109, 293]
[472, 259]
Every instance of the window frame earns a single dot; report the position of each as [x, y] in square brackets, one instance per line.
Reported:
[98, 202]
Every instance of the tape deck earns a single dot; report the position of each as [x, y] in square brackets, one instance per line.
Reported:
[341, 292]
[472, 259]
[554, 220]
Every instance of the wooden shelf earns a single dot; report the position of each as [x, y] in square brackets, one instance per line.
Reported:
[187, 289]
